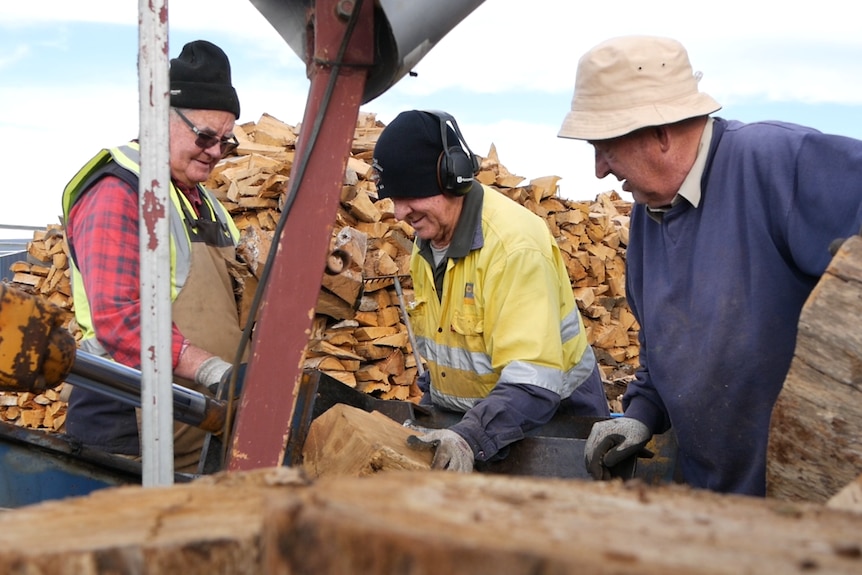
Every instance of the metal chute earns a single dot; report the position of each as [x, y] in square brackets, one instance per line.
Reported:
[404, 32]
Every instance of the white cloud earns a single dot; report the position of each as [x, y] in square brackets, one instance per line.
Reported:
[104, 11]
[534, 151]
[18, 53]
[44, 144]
[793, 51]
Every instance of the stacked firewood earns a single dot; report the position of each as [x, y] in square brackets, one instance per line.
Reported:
[46, 273]
[46, 270]
[360, 336]
[359, 333]
[592, 237]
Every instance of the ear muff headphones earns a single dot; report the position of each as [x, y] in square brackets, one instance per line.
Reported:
[456, 165]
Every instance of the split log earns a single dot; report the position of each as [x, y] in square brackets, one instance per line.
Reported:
[351, 442]
[815, 436]
[849, 498]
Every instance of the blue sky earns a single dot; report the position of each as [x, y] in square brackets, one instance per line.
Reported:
[68, 77]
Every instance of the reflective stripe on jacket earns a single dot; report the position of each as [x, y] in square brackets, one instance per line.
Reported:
[507, 312]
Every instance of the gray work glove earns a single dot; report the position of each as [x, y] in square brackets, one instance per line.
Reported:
[215, 372]
[612, 441]
[413, 426]
[451, 451]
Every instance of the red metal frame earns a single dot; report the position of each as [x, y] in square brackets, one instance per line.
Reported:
[287, 310]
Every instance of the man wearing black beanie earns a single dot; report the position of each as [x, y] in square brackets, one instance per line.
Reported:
[494, 315]
[100, 206]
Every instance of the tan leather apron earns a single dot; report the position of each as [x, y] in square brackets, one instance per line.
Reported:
[206, 313]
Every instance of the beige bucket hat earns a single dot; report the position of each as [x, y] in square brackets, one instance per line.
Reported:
[632, 82]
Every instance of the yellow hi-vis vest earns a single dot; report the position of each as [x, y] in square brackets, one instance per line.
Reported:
[128, 157]
[507, 312]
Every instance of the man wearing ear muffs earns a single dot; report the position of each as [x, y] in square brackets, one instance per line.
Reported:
[494, 315]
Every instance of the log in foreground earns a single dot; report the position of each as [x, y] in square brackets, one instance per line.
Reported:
[275, 522]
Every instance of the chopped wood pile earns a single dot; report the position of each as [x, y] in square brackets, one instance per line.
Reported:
[359, 334]
[46, 271]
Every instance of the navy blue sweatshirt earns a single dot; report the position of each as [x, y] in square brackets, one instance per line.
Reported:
[718, 289]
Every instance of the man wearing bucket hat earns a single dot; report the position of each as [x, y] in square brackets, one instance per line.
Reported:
[100, 206]
[729, 233]
[512, 347]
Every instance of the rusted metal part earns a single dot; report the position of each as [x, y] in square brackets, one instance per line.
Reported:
[36, 352]
[281, 334]
[336, 262]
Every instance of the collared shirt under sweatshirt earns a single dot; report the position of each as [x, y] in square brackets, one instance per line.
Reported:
[718, 288]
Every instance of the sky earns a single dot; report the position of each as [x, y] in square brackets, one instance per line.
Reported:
[69, 81]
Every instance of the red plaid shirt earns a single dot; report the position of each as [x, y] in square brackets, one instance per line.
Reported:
[103, 227]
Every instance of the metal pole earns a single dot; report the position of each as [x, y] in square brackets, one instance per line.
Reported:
[123, 383]
[275, 369]
[156, 378]
[420, 369]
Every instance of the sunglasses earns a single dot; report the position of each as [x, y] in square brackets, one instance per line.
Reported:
[206, 141]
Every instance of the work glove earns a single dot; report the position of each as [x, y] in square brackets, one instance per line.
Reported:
[215, 373]
[451, 451]
[612, 441]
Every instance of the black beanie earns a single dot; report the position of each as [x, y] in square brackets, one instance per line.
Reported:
[407, 153]
[200, 79]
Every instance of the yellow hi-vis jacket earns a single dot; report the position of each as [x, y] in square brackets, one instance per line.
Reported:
[128, 158]
[507, 312]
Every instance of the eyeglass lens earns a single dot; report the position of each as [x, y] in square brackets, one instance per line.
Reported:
[206, 141]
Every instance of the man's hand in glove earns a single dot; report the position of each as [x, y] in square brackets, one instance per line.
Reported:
[215, 373]
[451, 451]
[613, 440]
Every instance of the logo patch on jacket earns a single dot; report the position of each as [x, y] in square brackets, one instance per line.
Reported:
[469, 298]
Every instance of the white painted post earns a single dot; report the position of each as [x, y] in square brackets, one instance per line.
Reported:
[154, 205]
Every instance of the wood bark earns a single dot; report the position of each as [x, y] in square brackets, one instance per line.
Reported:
[276, 522]
[815, 441]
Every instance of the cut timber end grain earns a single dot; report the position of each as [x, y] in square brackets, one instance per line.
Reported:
[352, 442]
[370, 373]
[363, 209]
[348, 378]
[27, 279]
[361, 168]
[323, 363]
[274, 132]
[20, 267]
[542, 188]
[323, 347]
[374, 333]
[8, 399]
[33, 418]
[395, 340]
[389, 316]
[372, 352]
[397, 392]
[340, 337]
